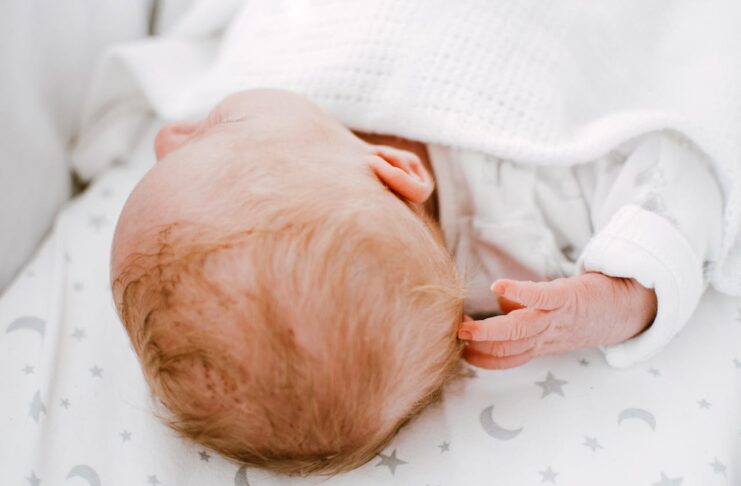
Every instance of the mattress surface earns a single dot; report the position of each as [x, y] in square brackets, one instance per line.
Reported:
[75, 409]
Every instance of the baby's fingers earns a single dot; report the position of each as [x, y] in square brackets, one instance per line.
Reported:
[516, 325]
[501, 349]
[489, 362]
[539, 295]
[507, 306]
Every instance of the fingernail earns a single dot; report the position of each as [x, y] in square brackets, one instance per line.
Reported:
[465, 335]
[498, 287]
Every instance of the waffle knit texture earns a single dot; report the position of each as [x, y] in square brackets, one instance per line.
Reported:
[549, 83]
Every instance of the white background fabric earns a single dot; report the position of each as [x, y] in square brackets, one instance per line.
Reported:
[48, 50]
[75, 407]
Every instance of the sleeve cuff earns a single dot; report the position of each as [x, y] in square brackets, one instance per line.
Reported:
[640, 244]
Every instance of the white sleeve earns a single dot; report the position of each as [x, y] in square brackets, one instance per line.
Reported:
[659, 221]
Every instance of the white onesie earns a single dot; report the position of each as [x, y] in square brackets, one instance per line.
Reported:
[649, 210]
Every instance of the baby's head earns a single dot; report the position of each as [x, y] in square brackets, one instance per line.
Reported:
[290, 303]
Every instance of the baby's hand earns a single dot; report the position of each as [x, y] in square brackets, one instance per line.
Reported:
[555, 317]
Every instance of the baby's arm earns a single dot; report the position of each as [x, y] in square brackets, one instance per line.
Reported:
[658, 221]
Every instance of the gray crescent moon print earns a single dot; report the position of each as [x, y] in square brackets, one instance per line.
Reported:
[28, 322]
[85, 472]
[640, 414]
[494, 429]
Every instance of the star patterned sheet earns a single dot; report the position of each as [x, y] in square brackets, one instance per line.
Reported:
[75, 410]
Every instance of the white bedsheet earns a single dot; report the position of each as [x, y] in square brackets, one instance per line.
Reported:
[75, 410]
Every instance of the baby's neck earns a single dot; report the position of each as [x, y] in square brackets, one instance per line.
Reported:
[420, 149]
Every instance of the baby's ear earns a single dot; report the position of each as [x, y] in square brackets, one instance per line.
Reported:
[403, 172]
[172, 136]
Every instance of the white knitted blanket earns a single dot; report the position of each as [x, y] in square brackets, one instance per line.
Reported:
[538, 82]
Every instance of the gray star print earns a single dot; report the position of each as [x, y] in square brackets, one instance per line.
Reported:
[36, 407]
[592, 443]
[390, 461]
[737, 362]
[667, 481]
[584, 362]
[64, 403]
[549, 475]
[96, 371]
[79, 334]
[28, 369]
[718, 467]
[33, 479]
[470, 373]
[654, 372]
[125, 436]
[444, 447]
[704, 404]
[153, 480]
[204, 456]
[551, 385]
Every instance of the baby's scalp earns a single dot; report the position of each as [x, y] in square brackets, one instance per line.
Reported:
[302, 325]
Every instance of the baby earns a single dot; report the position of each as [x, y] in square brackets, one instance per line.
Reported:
[293, 301]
